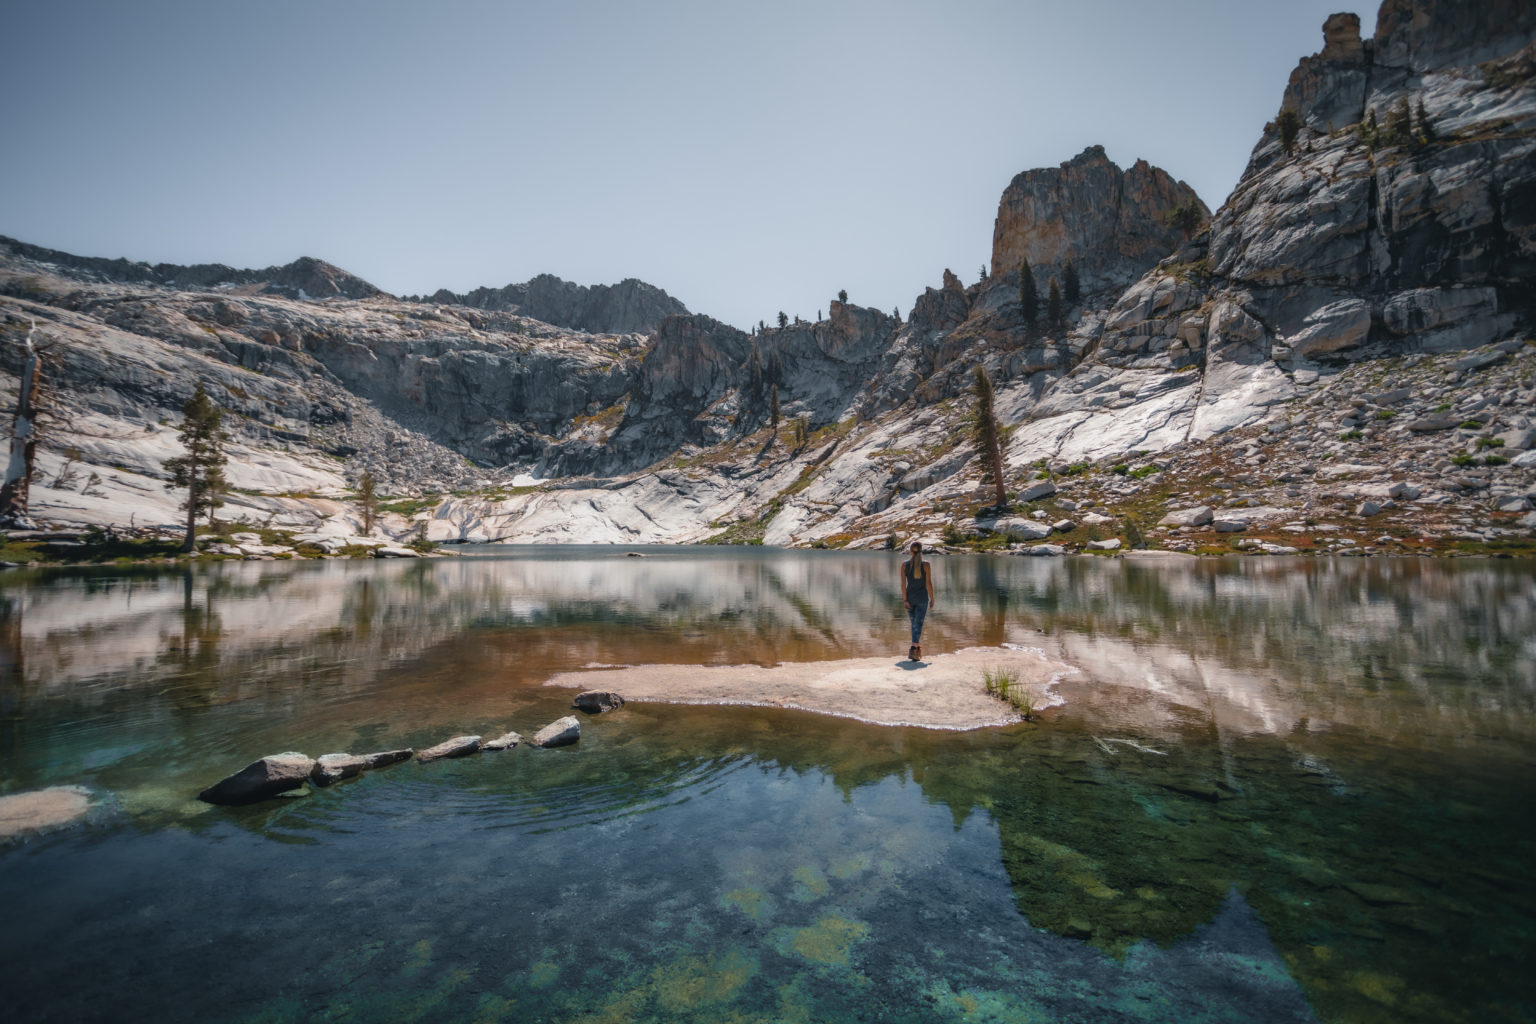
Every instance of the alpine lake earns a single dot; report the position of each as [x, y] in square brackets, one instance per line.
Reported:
[1278, 789]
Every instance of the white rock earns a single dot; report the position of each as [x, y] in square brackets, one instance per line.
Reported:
[559, 733]
[1198, 516]
[391, 551]
[1037, 490]
[1112, 544]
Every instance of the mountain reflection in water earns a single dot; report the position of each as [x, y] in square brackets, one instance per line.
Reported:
[1329, 756]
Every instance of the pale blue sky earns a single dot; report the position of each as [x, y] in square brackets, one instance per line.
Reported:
[745, 157]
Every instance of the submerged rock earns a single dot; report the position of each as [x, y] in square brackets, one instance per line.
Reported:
[261, 780]
[331, 768]
[560, 733]
[506, 741]
[459, 746]
[595, 702]
[42, 809]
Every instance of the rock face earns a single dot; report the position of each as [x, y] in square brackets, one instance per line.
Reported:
[261, 780]
[628, 307]
[1110, 223]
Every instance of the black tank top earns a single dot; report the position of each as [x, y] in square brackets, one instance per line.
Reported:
[917, 586]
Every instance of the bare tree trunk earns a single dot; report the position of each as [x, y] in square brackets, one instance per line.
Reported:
[18, 471]
[189, 544]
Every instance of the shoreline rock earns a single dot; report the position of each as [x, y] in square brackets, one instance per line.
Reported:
[262, 779]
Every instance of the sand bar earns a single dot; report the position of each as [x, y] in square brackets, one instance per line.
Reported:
[944, 691]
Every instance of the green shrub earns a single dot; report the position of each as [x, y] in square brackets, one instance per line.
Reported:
[1495, 460]
[1351, 435]
[1490, 442]
[1462, 460]
[1385, 414]
[1443, 407]
[1471, 424]
[1120, 469]
[1142, 472]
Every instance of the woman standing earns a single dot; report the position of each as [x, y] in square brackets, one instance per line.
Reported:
[917, 593]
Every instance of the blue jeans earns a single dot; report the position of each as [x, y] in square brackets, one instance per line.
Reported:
[917, 613]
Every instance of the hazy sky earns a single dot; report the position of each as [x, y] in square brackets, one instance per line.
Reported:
[746, 157]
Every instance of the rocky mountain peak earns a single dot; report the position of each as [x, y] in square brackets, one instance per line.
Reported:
[1111, 223]
[631, 306]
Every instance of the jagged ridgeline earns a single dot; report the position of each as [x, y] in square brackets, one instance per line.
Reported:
[1385, 226]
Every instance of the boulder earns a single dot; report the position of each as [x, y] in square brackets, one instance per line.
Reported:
[1037, 490]
[459, 746]
[559, 733]
[1434, 421]
[595, 702]
[1112, 544]
[1524, 459]
[1016, 528]
[1226, 523]
[1338, 325]
[1044, 550]
[1063, 525]
[1095, 519]
[506, 741]
[392, 551]
[1200, 515]
[42, 809]
[1367, 508]
[331, 768]
[261, 780]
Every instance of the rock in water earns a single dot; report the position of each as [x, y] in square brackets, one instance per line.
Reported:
[595, 702]
[559, 733]
[459, 746]
[261, 780]
[42, 809]
[331, 768]
[506, 741]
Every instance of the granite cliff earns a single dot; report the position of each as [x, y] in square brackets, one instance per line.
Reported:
[629, 307]
[1335, 359]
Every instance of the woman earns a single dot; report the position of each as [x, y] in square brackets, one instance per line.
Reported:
[917, 592]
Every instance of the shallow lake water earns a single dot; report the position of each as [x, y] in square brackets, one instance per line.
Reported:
[1277, 790]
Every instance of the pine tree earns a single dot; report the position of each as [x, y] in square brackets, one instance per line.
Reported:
[755, 373]
[1400, 124]
[842, 296]
[1029, 296]
[896, 313]
[783, 320]
[1289, 125]
[981, 275]
[368, 501]
[1426, 127]
[1071, 288]
[1053, 312]
[987, 434]
[18, 472]
[201, 469]
[1371, 133]
[1185, 216]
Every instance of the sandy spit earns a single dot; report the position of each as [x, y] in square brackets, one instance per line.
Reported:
[944, 691]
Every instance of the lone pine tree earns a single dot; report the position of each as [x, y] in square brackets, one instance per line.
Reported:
[201, 469]
[988, 435]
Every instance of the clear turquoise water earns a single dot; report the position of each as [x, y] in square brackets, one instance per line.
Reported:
[1281, 790]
